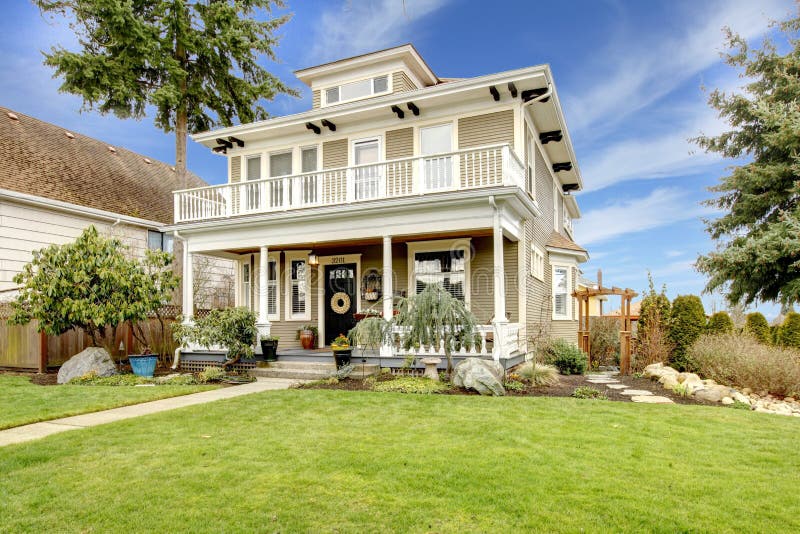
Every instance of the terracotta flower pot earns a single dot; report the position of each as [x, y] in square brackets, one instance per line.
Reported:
[307, 339]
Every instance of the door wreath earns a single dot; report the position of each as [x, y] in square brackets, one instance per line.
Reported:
[340, 303]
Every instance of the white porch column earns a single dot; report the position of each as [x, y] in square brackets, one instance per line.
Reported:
[188, 284]
[500, 320]
[388, 289]
[263, 318]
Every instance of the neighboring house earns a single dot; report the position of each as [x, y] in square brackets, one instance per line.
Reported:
[54, 183]
[395, 179]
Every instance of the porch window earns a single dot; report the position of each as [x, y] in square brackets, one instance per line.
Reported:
[561, 293]
[298, 297]
[247, 285]
[447, 267]
[272, 289]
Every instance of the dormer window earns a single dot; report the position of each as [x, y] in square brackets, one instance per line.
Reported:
[356, 90]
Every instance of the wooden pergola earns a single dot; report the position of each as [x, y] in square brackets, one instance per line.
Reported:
[626, 296]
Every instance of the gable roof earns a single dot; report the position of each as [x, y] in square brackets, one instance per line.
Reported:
[45, 160]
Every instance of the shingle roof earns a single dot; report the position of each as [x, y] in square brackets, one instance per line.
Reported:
[559, 241]
[42, 159]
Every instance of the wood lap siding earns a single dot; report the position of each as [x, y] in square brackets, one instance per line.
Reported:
[482, 130]
[316, 98]
[482, 279]
[401, 82]
[400, 144]
[334, 155]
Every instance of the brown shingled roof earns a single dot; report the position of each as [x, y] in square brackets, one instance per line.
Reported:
[42, 159]
[559, 241]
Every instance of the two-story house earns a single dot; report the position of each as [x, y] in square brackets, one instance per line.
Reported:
[395, 179]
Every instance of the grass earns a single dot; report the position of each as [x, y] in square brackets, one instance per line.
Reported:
[29, 403]
[338, 461]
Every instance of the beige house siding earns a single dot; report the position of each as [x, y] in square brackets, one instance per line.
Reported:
[486, 129]
[401, 82]
[482, 279]
[316, 98]
[510, 266]
[400, 144]
[334, 154]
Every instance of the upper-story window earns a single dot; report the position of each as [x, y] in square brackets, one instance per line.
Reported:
[358, 89]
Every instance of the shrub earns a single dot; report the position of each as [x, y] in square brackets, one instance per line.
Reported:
[588, 392]
[687, 323]
[790, 330]
[720, 323]
[683, 389]
[234, 328]
[565, 356]
[741, 361]
[652, 344]
[756, 325]
[655, 307]
[343, 372]
[538, 374]
[604, 340]
[411, 384]
[211, 374]
[514, 385]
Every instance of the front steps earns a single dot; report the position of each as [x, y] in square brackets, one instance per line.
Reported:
[300, 370]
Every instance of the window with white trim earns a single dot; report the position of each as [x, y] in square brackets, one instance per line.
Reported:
[561, 285]
[358, 89]
[272, 288]
[298, 290]
[247, 284]
[160, 241]
[537, 262]
[445, 267]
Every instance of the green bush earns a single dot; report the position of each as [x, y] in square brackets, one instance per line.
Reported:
[604, 340]
[211, 374]
[720, 323]
[756, 325]
[790, 330]
[565, 356]
[234, 328]
[514, 385]
[687, 323]
[538, 374]
[588, 392]
[742, 361]
[411, 384]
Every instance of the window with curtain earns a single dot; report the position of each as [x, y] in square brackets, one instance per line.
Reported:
[446, 267]
[560, 292]
[298, 287]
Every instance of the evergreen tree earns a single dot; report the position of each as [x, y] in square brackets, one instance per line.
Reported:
[790, 330]
[756, 325]
[759, 235]
[195, 62]
[655, 306]
[688, 321]
[720, 323]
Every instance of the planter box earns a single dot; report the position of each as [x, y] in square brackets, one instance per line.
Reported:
[143, 365]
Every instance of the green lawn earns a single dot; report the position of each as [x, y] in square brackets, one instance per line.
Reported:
[25, 403]
[311, 460]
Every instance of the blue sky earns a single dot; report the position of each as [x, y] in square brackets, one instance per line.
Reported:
[629, 74]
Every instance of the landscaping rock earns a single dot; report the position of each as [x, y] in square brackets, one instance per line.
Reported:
[651, 399]
[637, 392]
[740, 397]
[713, 393]
[727, 401]
[617, 386]
[668, 381]
[484, 376]
[91, 359]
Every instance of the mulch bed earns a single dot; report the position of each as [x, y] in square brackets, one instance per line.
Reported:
[566, 385]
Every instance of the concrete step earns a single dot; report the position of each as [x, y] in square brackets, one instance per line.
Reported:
[365, 369]
[298, 374]
[289, 364]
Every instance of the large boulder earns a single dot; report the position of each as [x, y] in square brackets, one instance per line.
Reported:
[484, 376]
[713, 393]
[94, 359]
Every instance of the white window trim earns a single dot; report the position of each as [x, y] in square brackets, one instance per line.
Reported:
[438, 246]
[276, 257]
[324, 90]
[246, 289]
[537, 262]
[568, 303]
[318, 148]
[246, 166]
[289, 151]
[290, 255]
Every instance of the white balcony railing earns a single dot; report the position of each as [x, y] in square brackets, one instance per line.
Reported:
[495, 165]
[495, 340]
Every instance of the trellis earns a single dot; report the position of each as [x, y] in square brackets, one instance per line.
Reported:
[626, 296]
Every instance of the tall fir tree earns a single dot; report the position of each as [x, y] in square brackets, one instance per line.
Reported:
[196, 62]
[757, 258]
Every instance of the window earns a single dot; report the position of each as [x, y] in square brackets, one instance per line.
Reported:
[437, 140]
[561, 285]
[446, 267]
[252, 196]
[280, 164]
[357, 89]
[368, 180]
[298, 293]
[272, 288]
[308, 158]
[537, 262]
[159, 241]
[254, 168]
[247, 285]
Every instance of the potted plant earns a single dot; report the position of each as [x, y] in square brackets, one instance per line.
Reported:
[269, 348]
[143, 364]
[341, 350]
[307, 335]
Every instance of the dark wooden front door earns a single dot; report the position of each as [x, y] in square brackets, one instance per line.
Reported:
[340, 300]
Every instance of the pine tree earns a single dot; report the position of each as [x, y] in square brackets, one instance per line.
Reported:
[756, 325]
[720, 323]
[687, 322]
[195, 62]
[790, 330]
[758, 238]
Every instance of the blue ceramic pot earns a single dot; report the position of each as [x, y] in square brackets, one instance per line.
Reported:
[143, 364]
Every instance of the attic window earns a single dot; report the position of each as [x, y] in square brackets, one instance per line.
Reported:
[112, 149]
[70, 135]
[12, 116]
[358, 89]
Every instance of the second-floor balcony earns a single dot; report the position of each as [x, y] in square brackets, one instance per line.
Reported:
[474, 168]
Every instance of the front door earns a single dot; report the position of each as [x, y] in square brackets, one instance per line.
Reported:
[340, 300]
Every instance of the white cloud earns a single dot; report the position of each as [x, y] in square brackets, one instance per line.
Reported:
[357, 27]
[661, 207]
[674, 253]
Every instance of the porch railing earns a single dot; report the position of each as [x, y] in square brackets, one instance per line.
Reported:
[472, 168]
[500, 340]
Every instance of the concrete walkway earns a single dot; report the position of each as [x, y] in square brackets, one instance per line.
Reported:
[34, 431]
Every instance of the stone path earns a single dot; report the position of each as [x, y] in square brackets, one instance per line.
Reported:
[637, 395]
[34, 431]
